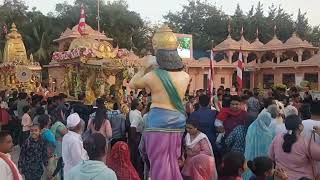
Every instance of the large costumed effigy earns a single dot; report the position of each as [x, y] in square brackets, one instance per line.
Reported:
[167, 81]
[17, 71]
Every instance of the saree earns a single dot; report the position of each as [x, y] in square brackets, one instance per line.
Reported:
[119, 161]
[201, 165]
[259, 138]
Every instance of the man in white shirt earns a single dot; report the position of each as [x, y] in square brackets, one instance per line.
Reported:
[136, 120]
[72, 146]
[136, 128]
[8, 169]
[309, 126]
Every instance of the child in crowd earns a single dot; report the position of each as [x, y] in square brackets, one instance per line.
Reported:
[26, 123]
[47, 135]
[33, 155]
[262, 168]
[232, 167]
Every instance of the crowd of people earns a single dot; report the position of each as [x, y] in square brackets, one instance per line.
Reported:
[228, 137]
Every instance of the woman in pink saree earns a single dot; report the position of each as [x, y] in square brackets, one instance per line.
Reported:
[199, 163]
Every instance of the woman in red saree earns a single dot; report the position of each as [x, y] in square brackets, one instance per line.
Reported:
[119, 161]
[230, 118]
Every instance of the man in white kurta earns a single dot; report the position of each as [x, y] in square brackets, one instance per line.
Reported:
[72, 146]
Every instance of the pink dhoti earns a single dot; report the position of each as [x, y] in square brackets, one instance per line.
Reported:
[164, 149]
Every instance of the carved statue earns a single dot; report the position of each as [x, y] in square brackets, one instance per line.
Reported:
[166, 119]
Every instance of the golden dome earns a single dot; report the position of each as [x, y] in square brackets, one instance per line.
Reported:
[164, 39]
[14, 49]
[73, 33]
[84, 42]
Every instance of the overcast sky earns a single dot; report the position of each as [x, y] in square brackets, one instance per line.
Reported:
[154, 9]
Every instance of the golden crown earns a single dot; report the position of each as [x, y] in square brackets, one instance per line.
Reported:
[164, 39]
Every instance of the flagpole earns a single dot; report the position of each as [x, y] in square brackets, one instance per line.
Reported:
[98, 17]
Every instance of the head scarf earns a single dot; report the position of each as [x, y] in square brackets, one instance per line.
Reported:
[119, 161]
[290, 110]
[226, 112]
[258, 139]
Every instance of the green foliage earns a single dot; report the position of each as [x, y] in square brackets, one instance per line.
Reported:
[207, 22]
[38, 30]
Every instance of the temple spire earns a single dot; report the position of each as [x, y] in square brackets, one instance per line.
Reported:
[275, 30]
[241, 32]
[257, 33]
[229, 27]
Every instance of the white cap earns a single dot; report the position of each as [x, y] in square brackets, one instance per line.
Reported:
[73, 120]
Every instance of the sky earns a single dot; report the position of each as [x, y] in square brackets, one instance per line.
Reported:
[154, 9]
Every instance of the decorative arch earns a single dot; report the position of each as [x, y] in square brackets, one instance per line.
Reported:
[289, 55]
[268, 56]
[220, 56]
[66, 46]
[252, 57]
[235, 57]
[306, 55]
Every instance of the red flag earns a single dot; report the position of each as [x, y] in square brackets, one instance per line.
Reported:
[82, 21]
[239, 72]
[211, 73]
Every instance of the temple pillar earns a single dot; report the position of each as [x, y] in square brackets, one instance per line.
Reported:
[230, 54]
[259, 55]
[300, 53]
[245, 57]
[278, 55]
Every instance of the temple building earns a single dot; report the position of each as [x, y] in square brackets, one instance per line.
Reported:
[275, 62]
[17, 70]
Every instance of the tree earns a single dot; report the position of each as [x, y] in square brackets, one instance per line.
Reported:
[126, 27]
[238, 21]
[201, 19]
[302, 25]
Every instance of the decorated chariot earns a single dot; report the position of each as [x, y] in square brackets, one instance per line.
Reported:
[89, 63]
[17, 71]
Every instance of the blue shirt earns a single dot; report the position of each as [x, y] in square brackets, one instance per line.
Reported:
[206, 118]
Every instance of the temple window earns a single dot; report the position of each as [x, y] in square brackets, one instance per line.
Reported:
[269, 56]
[252, 57]
[289, 79]
[223, 80]
[235, 57]
[268, 81]
[306, 55]
[66, 46]
[220, 56]
[312, 78]
[289, 55]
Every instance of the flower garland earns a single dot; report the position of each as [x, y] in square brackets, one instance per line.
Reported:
[75, 53]
[83, 52]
